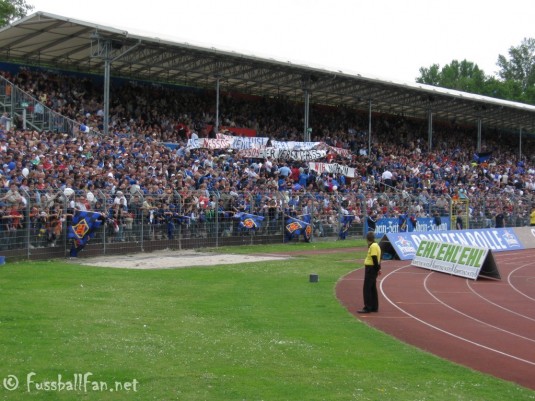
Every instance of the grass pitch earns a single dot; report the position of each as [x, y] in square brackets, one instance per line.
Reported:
[257, 331]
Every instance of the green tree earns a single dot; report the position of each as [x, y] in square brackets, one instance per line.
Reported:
[464, 76]
[515, 80]
[429, 76]
[11, 10]
[520, 68]
[508, 90]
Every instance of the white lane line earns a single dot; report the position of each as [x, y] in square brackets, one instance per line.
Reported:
[445, 331]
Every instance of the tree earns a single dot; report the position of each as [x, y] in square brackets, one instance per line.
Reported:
[429, 76]
[464, 76]
[520, 68]
[11, 10]
[515, 81]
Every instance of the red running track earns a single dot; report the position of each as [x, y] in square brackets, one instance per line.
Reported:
[487, 325]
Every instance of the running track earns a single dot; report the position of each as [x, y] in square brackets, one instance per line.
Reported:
[487, 325]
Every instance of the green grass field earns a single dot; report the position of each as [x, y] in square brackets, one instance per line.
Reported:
[258, 331]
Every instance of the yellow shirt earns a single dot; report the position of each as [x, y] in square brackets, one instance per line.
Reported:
[532, 218]
[373, 250]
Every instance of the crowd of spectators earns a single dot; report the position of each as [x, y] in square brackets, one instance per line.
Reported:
[133, 176]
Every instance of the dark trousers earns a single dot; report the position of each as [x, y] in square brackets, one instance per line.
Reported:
[369, 290]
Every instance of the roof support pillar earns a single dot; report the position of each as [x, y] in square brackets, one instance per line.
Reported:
[103, 48]
[306, 130]
[520, 145]
[479, 134]
[430, 130]
[369, 128]
[216, 128]
[107, 69]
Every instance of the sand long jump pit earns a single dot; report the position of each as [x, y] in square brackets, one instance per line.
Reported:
[168, 259]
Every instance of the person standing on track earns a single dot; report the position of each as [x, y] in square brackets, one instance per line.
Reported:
[372, 266]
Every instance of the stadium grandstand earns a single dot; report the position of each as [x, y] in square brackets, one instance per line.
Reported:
[132, 143]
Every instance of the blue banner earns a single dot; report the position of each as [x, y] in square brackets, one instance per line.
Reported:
[495, 239]
[409, 224]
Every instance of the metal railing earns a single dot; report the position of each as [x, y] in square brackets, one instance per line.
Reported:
[34, 224]
[24, 111]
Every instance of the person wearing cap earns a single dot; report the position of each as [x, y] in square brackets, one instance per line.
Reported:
[372, 266]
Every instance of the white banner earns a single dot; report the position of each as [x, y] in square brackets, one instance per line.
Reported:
[244, 142]
[342, 152]
[333, 168]
[208, 143]
[300, 155]
[293, 145]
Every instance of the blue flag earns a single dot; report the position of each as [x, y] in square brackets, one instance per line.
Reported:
[83, 226]
[403, 223]
[481, 157]
[295, 227]
[345, 225]
[249, 221]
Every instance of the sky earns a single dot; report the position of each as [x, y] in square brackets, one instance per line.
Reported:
[385, 39]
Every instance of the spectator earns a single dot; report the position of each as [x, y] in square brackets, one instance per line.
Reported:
[500, 219]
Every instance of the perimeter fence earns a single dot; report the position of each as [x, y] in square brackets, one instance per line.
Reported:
[34, 224]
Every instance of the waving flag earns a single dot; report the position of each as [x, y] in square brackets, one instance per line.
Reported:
[346, 225]
[403, 222]
[249, 221]
[84, 225]
[295, 227]
[481, 157]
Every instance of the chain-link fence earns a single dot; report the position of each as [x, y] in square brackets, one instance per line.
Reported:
[34, 224]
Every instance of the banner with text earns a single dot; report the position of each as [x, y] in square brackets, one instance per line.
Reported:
[332, 168]
[459, 260]
[240, 142]
[295, 145]
[496, 239]
[301, 155]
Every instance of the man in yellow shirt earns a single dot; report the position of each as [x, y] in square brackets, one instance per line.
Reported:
[372, 266]
[532, 216]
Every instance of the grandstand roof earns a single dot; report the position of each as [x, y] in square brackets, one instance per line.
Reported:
[46, 39]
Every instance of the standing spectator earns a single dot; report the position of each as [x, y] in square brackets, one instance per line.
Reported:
[284, 171]
[500, 219]
[386, 177]
[120, 200]
[128, 227]
[372, 221]
[136, 211]
[459, 222]
[13, 195]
